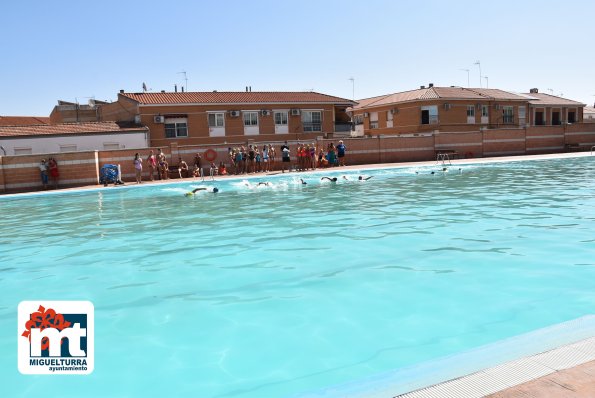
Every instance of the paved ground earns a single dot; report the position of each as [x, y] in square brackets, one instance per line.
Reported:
[577, 382]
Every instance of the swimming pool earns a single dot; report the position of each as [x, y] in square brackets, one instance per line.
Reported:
[275, 290]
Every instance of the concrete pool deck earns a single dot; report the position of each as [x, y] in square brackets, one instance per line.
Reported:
[375, 166]
[564, 372]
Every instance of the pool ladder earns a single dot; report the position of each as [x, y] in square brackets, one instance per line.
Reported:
[443, 157]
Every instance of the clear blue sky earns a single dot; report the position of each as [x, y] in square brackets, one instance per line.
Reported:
[79, 49]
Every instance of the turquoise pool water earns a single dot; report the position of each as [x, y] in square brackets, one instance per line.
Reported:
[273, 291]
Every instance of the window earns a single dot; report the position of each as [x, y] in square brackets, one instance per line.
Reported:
[358, 119]
[373, 120]
[23, 151]
[484, 111]
[571, 117]
[68, 148]
[110, 146]
[522, 116]
[216, 119]
[470, 114]
[281, 118]
[250, 118]
[312, 120]
[429, 114]
[389, 115]
[176, 127]
[508, 115]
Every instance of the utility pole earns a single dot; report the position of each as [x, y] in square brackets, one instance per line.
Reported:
[467, 70]
[479, 65]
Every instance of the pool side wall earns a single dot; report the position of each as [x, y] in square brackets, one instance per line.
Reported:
[21, 173]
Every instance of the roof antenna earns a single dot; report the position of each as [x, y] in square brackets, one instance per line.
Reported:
[185, 78]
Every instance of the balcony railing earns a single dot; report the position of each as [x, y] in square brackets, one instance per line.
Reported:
[508, 119]
[342, 127]
[312, 127]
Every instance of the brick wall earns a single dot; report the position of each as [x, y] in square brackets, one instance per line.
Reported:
[21, 173]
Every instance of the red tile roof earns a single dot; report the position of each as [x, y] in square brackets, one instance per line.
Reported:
[549, 100]
[66, 128]
[446, 93]
[239, 97]
[23, 120]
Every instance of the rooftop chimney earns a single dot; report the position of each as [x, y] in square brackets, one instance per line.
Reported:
[162, 91]
[182, 88]
[121, 91]
[175, 88]
[246, 88]
[534, 91]
[422, 87]
[430, 85]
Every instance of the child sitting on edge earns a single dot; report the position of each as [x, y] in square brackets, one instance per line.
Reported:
[222, 169]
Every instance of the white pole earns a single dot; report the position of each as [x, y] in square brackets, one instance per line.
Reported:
[479, 65]
[467, 70]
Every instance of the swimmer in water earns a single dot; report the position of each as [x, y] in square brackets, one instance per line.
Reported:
[444, 169]
[361, 178]
[264, 183]
[194, 191]
[334, 179]
[303, 182]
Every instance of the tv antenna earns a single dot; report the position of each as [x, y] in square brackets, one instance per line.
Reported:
[185, 78]
[466, 70]
[479, 65]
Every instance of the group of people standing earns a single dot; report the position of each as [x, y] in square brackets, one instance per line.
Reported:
[49, 171]
[250, 159]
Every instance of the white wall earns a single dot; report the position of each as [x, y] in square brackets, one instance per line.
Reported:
[83, 142]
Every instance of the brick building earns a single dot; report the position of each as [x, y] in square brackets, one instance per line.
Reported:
[73, 112]
[189, 118]
[589, 114]
[458, 109]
